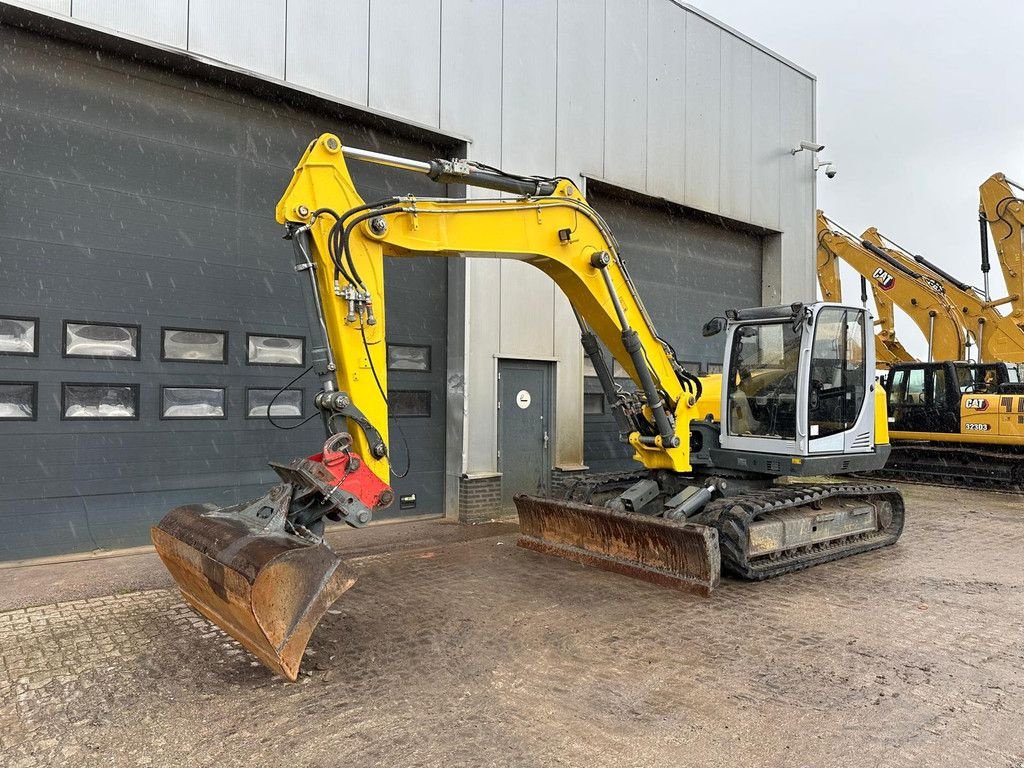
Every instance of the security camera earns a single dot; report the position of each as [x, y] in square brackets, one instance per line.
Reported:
[830, 168]
[810, 146]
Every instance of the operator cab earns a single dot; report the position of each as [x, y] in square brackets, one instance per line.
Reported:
[926, 397]
[798, 390]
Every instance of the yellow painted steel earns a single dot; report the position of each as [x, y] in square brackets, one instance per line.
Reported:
[881, 416]
[1004, 212]
[888, 349]
[922, 302]
[558, 234]
[999, 339]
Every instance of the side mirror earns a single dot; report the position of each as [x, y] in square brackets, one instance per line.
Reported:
[713, 327]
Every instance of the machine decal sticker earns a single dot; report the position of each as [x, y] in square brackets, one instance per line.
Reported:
[977, 427]
[885, 280]
[976, 403]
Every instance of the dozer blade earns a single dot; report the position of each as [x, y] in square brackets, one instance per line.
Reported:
[239, 568]
[665, 552]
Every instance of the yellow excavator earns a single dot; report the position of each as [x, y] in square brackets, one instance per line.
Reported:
[796, 397]
[997, 337]
[889, 350]
[923, 299]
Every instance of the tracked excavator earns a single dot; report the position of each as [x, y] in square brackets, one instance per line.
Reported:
[889, 350]
[796, 398]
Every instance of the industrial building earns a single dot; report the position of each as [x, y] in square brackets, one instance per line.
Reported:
[149, 311]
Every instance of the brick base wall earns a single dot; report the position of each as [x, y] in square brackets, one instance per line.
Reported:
[480, 499]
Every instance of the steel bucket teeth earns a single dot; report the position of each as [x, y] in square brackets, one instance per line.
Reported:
[267, 589]
[674, 554]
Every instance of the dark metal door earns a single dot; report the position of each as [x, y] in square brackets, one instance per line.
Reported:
[524, 428]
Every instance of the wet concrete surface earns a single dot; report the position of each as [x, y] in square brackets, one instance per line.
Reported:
[455, 648]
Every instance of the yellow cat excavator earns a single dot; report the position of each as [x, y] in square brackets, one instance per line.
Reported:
[796, 397]
[998, 338]
[924, 300]
[889, 350]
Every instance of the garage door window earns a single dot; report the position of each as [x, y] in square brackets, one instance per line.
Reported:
[99, 401]
[408, 357]
[193, 345]
[19, 336]
[274, 350]
[103, 340]
[193, 403]
[18, 400]
[409, 403]
[287, 403]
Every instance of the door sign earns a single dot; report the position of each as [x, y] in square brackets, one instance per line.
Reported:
[523, 399]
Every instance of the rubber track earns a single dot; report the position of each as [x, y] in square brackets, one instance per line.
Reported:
[732, 516]
[955, 465]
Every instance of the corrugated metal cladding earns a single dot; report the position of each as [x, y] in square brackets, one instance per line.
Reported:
[688, 268]
[133, 196]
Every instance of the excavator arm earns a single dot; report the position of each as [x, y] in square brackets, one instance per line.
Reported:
[343, 241]
[929, 308]
[998, 338]
[888, 349]
[1003, 210]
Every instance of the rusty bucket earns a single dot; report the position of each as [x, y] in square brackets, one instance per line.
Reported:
[676, 554]
[239, 568]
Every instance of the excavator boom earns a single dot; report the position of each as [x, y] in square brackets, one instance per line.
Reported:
[929, 307]
[889, 350]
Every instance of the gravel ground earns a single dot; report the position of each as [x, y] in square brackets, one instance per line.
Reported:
[458, 648]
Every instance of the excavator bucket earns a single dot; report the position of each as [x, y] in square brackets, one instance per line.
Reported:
[242, 569]
[665, 552]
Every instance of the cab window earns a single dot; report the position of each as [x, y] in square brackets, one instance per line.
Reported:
[762, 387]
[838, 371]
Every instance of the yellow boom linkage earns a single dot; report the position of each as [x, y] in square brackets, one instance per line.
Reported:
[929, 308]
[888, 349]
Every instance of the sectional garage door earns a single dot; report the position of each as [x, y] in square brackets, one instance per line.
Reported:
[136, 226]
[688, 268]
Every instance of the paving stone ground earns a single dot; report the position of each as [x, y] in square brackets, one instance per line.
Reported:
[471, 651]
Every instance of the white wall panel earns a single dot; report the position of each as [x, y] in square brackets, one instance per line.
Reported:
[471, 74]
[767, 148]
[580, 103]
[798, 258]
[527, 146]
[246, 33]
[666, 101]
[55, 6]
[625, 88]
[703, 112]
[328, 52]
[735, 172]
[165, 21]
[528, 86]
[405, 51]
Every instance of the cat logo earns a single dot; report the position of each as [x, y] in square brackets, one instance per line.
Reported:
[976, 403]
[885, 280]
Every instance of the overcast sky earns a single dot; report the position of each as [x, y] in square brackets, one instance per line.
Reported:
[918, 103]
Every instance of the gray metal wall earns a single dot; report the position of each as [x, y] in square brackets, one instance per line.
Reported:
[129, 194]
[648, 95]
